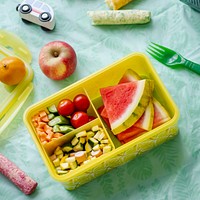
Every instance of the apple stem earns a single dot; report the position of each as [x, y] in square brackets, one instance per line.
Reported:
[5, 66]
[55, 53]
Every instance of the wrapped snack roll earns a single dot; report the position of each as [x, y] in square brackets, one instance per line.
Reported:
[17, 176]
[116, 4]
[109, 17]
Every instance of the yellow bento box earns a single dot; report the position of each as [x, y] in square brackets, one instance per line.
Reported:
[120, 154]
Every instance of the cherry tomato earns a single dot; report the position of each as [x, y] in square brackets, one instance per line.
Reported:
[65, 107]
[91, 118]
[79, 118]
[81, 102]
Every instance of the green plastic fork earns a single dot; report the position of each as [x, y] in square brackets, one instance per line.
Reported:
[170, 58]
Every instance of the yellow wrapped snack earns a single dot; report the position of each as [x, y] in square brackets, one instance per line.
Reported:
[116, 4]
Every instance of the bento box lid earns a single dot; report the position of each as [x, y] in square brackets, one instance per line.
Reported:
[13, 97]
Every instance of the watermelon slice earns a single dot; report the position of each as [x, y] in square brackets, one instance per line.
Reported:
[129, 76]
[104, 113]
[100, 109]
[160, 114]
[131, 138]
[125, 103]
[130, 132]
[146, 121]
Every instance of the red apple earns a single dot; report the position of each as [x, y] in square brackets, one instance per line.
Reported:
[57, 60]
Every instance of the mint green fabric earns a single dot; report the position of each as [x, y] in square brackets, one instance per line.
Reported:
[171, 171]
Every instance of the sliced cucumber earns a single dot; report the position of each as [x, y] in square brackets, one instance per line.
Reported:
[52, 109]
[62, 128]
[67, 147]
[66, 129]
[74, 141]
[58, 120]
[93, 142]
[51, 116]
[56, 128]
[78, 147]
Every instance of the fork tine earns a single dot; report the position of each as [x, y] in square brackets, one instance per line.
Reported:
[159, 50]
[154, 55]
[162, 47]
[154, 51]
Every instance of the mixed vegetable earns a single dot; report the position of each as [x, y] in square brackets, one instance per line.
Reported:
[84, 147]
[56, 121]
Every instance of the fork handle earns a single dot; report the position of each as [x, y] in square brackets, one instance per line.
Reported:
[192, 66]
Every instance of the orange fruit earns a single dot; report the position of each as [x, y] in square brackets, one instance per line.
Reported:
[12, 70]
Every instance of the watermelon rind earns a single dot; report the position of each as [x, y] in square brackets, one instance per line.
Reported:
[129, 76]
[160, 114]
[146, 120]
